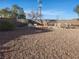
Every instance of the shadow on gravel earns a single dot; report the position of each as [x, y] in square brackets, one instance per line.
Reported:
[6, 36]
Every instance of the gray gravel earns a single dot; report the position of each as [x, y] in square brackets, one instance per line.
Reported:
[57, 44]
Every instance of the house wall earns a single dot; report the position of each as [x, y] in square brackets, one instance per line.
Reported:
[71, 22]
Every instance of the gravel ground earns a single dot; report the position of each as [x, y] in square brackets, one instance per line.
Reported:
[57, 44]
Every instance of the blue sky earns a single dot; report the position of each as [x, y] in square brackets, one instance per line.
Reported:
[51, 9]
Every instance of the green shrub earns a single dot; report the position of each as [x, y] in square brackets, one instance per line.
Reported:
[22, 25]
[7, 26]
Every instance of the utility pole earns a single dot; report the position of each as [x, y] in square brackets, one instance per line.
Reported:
[40, 9]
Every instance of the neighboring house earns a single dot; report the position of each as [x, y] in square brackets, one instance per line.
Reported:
[7, 14]
[64, 23]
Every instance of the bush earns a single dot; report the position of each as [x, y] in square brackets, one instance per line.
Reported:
[7, 26]
[22, 25]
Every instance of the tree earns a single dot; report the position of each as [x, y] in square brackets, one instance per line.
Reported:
[77, 9]
[5, 13]
[18, 12]
[14, 12]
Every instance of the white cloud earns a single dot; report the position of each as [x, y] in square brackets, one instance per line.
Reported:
[48, 12]
[27, 11]
[53, 12]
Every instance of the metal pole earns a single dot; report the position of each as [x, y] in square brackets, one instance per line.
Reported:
[40, 9]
